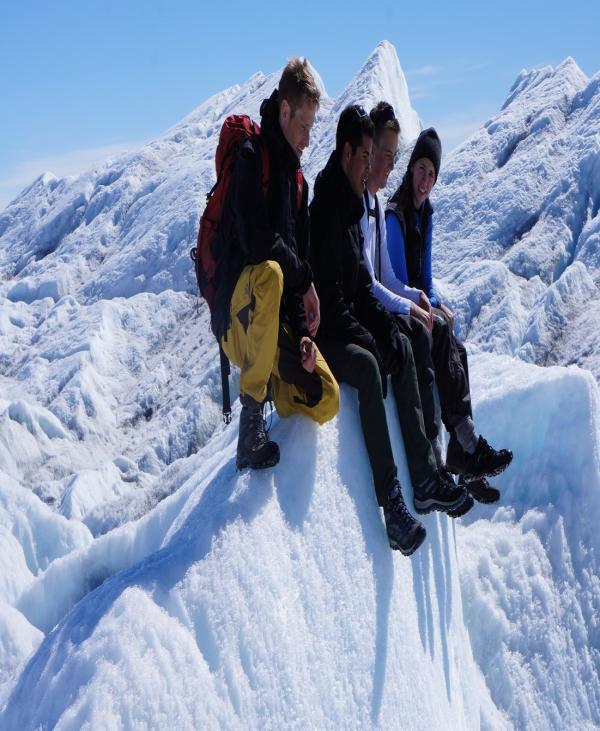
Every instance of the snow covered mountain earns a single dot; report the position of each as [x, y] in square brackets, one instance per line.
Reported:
[145, 584]
[518, 231]
[127, 227]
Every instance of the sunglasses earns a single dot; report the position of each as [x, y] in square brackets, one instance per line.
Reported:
[385, 115]
[359, 110]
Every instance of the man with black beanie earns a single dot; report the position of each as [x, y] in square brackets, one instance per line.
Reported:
[360, 340]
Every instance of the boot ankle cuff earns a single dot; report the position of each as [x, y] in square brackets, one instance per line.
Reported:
[395, 490]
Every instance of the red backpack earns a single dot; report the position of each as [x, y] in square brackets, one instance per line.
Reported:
[235, 131]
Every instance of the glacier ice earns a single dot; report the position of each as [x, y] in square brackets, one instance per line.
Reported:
[146, 584]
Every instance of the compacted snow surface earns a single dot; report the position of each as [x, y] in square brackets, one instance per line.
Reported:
[145, 583]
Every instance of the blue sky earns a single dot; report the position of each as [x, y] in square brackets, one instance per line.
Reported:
[82, 81]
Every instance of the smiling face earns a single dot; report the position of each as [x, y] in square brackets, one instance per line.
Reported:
[357, 165]
[423, 180]
[385, 152]
[296, 124]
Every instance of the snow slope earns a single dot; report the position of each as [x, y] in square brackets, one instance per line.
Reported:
[145, 584]
[274, 599]
[263, 600]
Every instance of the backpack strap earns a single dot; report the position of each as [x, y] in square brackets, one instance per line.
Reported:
[299, 186]
[225, 371]
[378, 236]
[374, 213]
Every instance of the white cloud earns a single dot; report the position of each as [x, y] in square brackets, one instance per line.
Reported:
[70, 163]
[419, 92]
[428, 70]
[426, 80]
[473, 68]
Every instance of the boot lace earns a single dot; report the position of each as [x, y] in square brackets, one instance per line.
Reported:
[448, 487]
[396, 509]
[256, 428]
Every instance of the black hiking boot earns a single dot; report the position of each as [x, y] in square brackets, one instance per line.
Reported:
[463, 509]
[468, 502]
[481, 490]
[405, 534]
[485, 461]
[439, 493]
[254, 450]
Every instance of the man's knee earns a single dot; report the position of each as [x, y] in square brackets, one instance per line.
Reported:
[268, 275]
[404, 351]
[441, 329]
[462, 351]
[422, 339]
[365, 370]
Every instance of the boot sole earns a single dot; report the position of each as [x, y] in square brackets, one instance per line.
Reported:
[423, 507]
[463, 510]
[419, 538]
[469, 477]
[489, 500]
[265, 464]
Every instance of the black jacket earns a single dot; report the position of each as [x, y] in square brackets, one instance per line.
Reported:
[255, 228]
[349, 311]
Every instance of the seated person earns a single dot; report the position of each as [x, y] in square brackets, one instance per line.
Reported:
[408, 229]
[267, 309]
[361, 342]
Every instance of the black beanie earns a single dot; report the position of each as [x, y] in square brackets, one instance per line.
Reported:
[428, 145]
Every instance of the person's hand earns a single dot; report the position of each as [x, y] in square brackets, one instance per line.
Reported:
[312, 308]
[449, 314]
[308, 354]
[423, 316]
[424, 302]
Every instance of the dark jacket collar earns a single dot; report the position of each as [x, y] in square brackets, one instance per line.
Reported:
[332, 185]
[271, 131]
[425, 208]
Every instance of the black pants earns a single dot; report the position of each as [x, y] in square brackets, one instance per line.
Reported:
[451, 372]
[462, 353]
[440, 358]
[358, 368]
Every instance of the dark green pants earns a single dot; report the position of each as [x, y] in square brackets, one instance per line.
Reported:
[358, 368]
[440, 359]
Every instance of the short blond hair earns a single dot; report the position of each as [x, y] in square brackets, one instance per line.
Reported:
[297, 84]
